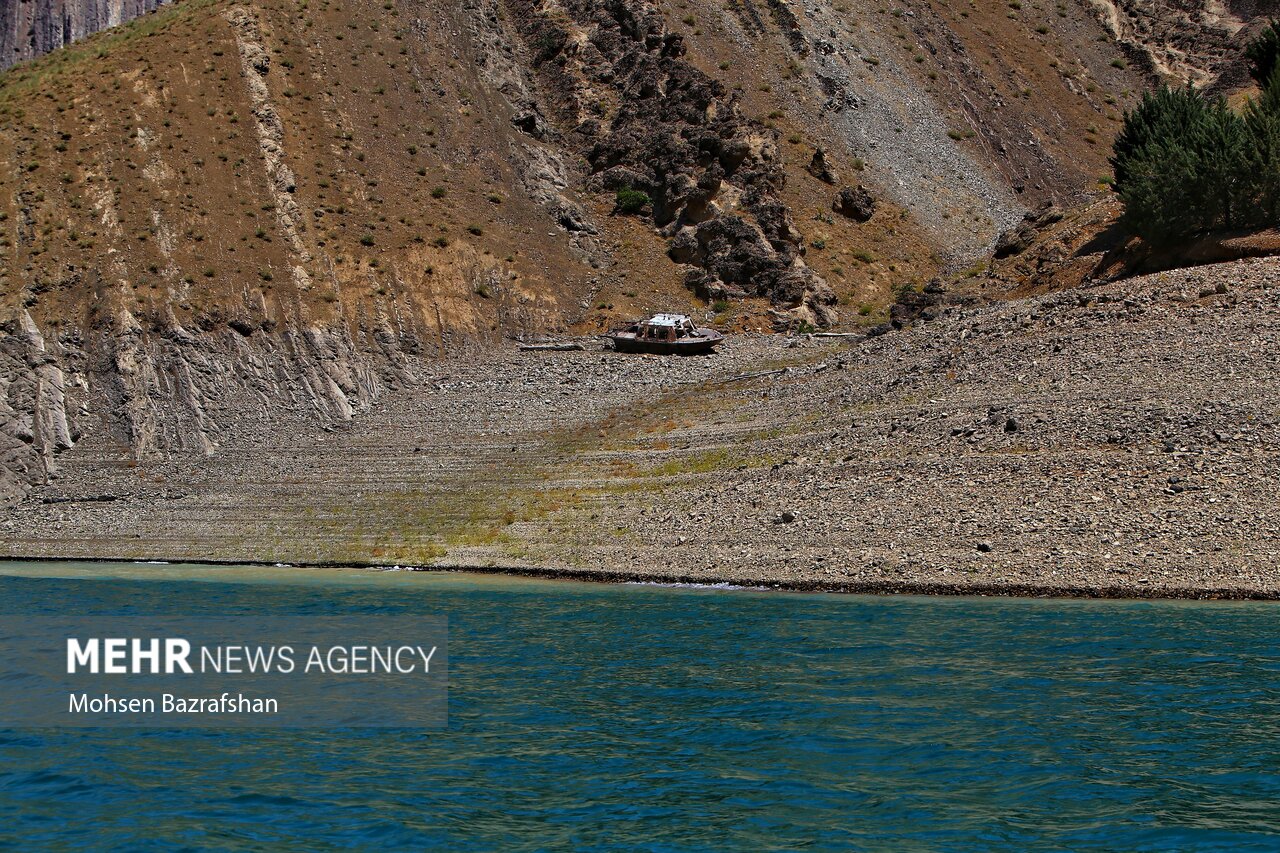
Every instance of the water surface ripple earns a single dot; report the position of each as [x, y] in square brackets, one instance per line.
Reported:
[639, 717]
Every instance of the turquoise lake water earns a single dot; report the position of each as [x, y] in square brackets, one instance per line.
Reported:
[651, 718]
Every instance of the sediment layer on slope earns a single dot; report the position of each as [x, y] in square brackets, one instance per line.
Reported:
[1107, 439]
[203, 226]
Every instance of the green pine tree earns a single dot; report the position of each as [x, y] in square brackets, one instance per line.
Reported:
[1186, 165]
[1219, 144]
[1163, 114]
[1262, 120]
[1263, 53]
[1158, 200]
[1182, 166]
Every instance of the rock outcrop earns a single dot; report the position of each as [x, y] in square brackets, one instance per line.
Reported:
[34, 423]
[31, 28]
[820, 168]
[1017, 240]
[646, 119]
[855, 203]
[1196, 41]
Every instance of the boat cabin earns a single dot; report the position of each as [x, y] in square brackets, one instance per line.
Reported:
[666, 327]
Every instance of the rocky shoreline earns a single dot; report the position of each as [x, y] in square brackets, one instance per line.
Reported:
[747, 584]
[1121, 440]
[750, 584]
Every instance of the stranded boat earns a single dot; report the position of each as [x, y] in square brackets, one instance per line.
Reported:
[664, 334]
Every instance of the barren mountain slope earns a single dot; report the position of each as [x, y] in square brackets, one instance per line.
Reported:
[228, 211]
[217, 212]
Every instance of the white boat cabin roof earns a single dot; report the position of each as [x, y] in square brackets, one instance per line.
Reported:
[676, 320]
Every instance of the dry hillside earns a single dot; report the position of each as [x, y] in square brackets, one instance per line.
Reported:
[228, 210]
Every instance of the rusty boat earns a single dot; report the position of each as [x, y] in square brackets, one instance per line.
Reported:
[664, 334]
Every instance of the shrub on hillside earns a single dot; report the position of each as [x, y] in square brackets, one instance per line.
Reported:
[631, 201]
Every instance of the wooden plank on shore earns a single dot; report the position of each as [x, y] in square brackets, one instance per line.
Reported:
[551, 347]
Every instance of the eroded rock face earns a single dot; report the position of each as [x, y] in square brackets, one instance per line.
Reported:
[1017, 240]
[31, 28]
[186, 391]
[34, 422]
[713, 175]
[1193, 40]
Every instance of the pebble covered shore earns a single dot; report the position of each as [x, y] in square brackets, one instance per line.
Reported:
[1119, 440]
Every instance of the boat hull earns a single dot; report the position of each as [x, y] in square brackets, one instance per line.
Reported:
[623, 342]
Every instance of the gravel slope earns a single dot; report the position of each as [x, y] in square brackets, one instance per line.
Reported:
[1116, 440]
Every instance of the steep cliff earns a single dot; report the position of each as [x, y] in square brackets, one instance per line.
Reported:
[31, 28]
